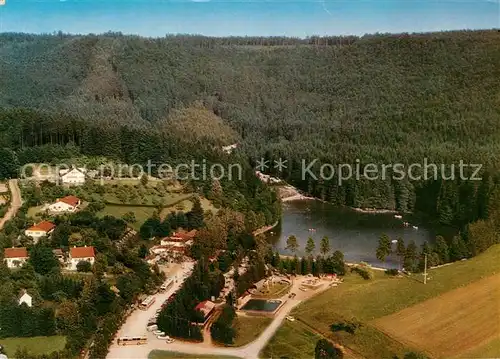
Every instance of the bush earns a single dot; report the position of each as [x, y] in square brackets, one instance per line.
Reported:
[84, 266]
[326, 350]
[365, 273]
[222, 330]
[346, 326]
[392, 271]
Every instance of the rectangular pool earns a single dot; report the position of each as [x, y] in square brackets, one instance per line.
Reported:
[261, 305]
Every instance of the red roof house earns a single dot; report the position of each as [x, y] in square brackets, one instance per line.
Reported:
[44, 226]
[15, 257]
[70, 200]
[206, 308]
[16, 253]
[82, 252]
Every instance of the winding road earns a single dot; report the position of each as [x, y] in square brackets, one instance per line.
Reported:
[15, 202]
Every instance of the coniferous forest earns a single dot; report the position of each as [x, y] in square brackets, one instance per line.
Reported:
[377, 99]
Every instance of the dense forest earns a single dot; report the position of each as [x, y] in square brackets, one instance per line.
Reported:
[378, 99]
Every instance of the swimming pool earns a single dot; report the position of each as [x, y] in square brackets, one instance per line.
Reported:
[262, 305]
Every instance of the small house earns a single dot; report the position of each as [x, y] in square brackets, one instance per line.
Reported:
[42, 229]
[80, 254]
[25, 298]
[74, 177]
[15, 257]
[206, 308]
[59, 254]
[66, 204]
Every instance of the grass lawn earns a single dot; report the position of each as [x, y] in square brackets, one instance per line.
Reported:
[34, 211]
[160, 354]
[35, 345]
[187, 205]
[293, 340]
[275, 291]
[370, 300]
[488, 350]
[141, 213]
[249, 328]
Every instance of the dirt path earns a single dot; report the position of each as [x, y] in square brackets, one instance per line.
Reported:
[264, 229]
[15, 202]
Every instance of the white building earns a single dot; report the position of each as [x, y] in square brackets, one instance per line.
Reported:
[80, 254]
[26, 299]
[66, 204]
[179, 239]
[75, 176]
[42, 229]
[15, 257]
[229, 149]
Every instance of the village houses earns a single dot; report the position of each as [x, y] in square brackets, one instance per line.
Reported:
[80, 254]
[15, 257]
[67, 204]
[174, 246]
[42, 229]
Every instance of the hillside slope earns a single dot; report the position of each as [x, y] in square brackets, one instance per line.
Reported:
[379, 99]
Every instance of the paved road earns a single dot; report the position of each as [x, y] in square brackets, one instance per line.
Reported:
[15, 202]
[138, 321]
[250, 351]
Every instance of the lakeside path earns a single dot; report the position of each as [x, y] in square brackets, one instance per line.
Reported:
[265, 229]
[15, 202]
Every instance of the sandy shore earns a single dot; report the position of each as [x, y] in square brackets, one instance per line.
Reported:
[296, 197]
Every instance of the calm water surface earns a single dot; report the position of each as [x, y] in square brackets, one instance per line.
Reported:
[353, 233]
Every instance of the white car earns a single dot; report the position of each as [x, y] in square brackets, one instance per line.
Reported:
[170, 340]
[151, 328]
[290, 318]
[158, 332]
[163, 337]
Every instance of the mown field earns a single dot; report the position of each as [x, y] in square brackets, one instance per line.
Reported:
[34, 345]
[249, 328]
[488, 350]
[367, 301]
[293, 340]
[450, 324]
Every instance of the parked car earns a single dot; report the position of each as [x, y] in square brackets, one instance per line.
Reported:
[151, 328]
[158, 332]
[170, 340]
[292, 295]
[163, 337]
[290, 318]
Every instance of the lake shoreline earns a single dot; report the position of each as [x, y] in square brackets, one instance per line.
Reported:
[290, 193]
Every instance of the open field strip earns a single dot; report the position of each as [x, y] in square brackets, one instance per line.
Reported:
[34, 345]
[450, 324]
[161, 354]
[488, 350]
[367, 301]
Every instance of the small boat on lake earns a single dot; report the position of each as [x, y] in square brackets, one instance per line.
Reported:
[398, 216]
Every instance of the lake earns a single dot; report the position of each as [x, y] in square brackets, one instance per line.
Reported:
[354, 233]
